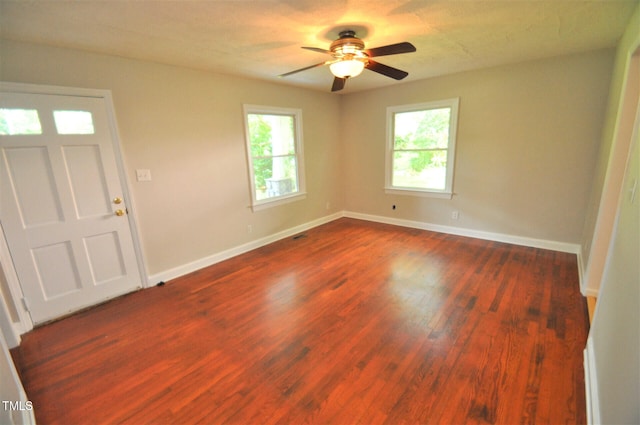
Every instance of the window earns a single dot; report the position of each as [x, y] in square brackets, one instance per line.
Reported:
[73, 122]
[421, 148]
[27, 121]
[274, 151]
[19, 121]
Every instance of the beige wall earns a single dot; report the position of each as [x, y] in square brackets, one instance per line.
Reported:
[528, 136]
[186, 126]
[527, 142]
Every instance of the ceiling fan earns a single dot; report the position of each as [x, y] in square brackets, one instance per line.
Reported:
[350, 58]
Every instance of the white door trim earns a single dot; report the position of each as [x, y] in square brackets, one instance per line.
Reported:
[614, 175]
[26, 324]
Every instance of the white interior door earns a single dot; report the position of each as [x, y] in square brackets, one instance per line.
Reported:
[62, 206]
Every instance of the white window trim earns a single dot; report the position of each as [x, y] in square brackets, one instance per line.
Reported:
[447, 192]
[258, 205]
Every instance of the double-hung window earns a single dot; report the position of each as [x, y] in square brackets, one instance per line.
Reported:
[274, 152]
[421, 141]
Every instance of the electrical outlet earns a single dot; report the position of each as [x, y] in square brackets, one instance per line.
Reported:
[143, 175]
[455, 215]
[249, 228]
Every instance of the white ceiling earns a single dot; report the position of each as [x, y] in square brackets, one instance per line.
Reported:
[262, 38]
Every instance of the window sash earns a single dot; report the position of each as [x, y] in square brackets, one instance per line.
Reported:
[421, 150]
[274, 156]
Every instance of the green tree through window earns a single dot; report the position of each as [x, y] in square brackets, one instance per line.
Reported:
[19, 121]
[260, 133]
[421, 146]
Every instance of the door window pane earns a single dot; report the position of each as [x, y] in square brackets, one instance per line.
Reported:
[19, 121]
[73, 122]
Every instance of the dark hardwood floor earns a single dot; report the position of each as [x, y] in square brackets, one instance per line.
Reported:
[353, 322]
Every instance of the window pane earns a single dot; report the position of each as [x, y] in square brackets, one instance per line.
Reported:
[271, 134]
[426, 129]
[19, 121]
[73, 122]
[420, 169]
[275, 176]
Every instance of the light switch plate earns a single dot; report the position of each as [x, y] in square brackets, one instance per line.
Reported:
[143, 175]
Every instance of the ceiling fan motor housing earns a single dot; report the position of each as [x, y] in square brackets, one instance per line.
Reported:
[348, 45]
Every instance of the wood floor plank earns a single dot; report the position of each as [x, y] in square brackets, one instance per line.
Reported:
[352, 322]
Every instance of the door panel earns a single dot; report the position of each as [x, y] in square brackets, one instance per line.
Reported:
[56, 270]
[60, 190]
[33, 187]
[105, 257]
[86, 177]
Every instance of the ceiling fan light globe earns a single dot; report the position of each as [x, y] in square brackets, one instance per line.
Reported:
[347, 68]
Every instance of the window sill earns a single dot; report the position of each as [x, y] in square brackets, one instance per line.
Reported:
[419, 193]
[268, 203]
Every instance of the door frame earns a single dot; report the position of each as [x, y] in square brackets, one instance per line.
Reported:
[25, 323]
[614, 175]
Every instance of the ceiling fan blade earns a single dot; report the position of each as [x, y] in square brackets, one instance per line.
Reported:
[317, 49]
[338, 84]
[302, 69]
[391, 49]
[395, 73]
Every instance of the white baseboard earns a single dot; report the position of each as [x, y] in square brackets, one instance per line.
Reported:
[232, 252]
[587, 292]
[581, 273]
[478, 234]
[241, 249]
[591, 385]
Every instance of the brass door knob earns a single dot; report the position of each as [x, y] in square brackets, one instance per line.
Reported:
[119, 213]
[117, 200]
